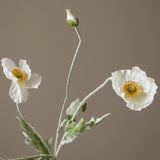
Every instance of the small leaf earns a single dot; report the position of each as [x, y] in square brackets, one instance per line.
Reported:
[73, 130]
[49, 141]
[73, 107]
[69, 127]
[79, 128]
[84, 107]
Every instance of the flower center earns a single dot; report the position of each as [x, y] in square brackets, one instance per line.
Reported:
[19, 74]
[131, 88]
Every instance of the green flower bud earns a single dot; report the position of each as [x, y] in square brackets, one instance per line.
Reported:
[71, 19]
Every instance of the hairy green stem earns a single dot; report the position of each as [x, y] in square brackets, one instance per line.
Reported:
[67, 90]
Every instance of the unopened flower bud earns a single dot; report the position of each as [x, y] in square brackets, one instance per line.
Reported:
[71, 19]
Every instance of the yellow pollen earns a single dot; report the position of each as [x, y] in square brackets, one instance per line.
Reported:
[19, 74]
[131, 88]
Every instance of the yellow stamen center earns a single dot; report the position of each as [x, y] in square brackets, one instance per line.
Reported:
[131, 88]
[19, 74]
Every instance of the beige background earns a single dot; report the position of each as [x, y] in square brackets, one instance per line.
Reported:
[116, 34]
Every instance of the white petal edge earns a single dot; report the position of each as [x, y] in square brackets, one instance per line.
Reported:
[137, 75]
[34, 81]
[18, 93]
[25, 67]
[8, 65]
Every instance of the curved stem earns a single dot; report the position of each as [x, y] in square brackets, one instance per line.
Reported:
[67, 88]
[35, 156]
[91, 94]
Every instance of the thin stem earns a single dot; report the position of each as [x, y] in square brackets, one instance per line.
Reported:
[19, 111]
[3, 157]
[59, 146]
[35, 156]
[91, 94]
[67, 88]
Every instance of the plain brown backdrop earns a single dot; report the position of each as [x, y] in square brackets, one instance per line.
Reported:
[116, 34]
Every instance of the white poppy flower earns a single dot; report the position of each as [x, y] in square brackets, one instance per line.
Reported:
[134, 87]
[22, 79]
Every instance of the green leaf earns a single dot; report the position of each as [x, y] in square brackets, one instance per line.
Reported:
[84, 107]
[33, 138]
[73, 130]
[79, 128]
[69, 127]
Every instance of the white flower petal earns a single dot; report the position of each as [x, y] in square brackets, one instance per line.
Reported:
[149, 85]
[34, 81]
[137, 103]
[8, 65]
[18, 93]
[140, 103]
[117, 81]
[25, 67]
